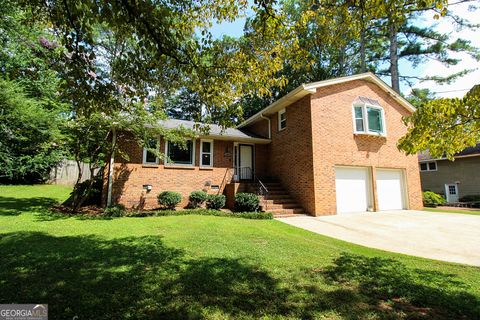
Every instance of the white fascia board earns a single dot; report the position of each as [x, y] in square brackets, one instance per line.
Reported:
[281, 103]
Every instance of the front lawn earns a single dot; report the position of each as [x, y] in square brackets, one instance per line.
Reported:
[453, 210]
[206, 267]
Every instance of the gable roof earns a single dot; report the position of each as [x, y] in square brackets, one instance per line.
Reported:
[467, 152]
[309, 88]
[215, 131]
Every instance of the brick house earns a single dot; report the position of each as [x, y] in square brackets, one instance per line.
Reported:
[325, 148]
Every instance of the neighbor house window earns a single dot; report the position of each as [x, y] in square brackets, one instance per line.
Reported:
[180, 154]
[369, 119]
[206, 153]
[282, 119]
[148, 156]
[428, 166]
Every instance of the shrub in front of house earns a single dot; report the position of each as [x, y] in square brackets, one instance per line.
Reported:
[169, 199]
[117, 210]
[470, 198]
[215, 201]
[246, 202]
[432, 199]
[196, 198]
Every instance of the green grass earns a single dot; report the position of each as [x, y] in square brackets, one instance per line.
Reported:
[206, 267]
[474, 212]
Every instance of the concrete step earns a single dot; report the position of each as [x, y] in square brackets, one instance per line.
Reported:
[286, 211]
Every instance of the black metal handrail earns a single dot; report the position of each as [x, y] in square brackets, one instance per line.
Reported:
[260, 188]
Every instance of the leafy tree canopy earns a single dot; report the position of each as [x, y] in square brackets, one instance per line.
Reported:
[444, 127]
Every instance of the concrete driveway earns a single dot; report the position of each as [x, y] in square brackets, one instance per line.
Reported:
[442, 236]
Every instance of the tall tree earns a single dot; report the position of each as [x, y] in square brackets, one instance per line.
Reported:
[31, 114]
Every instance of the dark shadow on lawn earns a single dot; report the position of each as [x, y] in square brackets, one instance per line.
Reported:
[393, 287]
[136, 278]
[15, 206]
[141, 278]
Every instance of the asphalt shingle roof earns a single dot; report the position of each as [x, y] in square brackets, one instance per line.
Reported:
[214, 130]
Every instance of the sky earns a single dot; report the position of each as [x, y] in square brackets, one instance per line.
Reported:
[431, 67]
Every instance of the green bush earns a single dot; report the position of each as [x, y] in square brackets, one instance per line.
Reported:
[215, 201]
[432, 199]
[246, 202]
[209, 212]
[116, 210]
[196, 198]
[169, 199]
[470, 198]
[254, 215]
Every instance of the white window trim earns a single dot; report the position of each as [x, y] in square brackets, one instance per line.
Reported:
[144, 157]
[211, 152]
[283, 111]
[367, 131]
[428, 166]
[170, 164]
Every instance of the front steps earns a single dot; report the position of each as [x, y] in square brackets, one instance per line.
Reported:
[279, 202]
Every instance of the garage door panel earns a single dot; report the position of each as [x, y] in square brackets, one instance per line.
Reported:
[351, 186]
[390, 189]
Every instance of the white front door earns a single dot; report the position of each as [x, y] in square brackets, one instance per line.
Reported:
[451, 190]
[352, 189]
[390, 189]
[246, 162]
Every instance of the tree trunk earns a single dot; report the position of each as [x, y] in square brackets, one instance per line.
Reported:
[363, 66]
[83, 198]
[392, 34]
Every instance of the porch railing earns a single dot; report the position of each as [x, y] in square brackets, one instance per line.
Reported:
[246, 173]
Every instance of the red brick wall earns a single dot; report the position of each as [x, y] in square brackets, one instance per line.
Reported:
[259, 128]
[130, 175]
[290, 153]
[335, 144]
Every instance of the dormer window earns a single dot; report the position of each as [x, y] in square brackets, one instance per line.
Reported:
[369, 117]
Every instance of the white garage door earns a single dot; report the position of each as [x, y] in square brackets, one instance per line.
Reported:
[390, 189]
[351, 186]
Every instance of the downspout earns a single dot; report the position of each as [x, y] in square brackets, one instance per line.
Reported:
[110, 168]
[269, 125]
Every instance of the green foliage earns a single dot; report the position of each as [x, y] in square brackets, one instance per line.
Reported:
[31, 141]
[246, 202]
[470, 198]
[432, 199]
[117, 210]
[215, 201]
[209, 212]
[169, 199]
[197, 198]
[444, 127]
